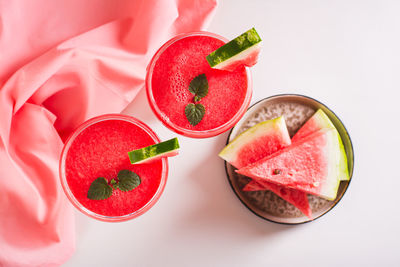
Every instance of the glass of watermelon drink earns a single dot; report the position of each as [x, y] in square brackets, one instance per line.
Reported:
[99, 148]
[172, 69]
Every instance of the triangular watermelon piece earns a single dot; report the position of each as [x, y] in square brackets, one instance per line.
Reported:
[241, 51]
[257, 142]
[318, 122]
[295, 197]
[309, 165]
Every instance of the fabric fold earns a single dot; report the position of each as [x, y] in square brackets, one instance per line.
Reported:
[57, 71]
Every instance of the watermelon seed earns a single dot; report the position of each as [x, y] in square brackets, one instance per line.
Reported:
[277, 171]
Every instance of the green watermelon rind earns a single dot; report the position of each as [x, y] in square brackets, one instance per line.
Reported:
[322, 120]
[229, 153]
[153, 152]
[238, 48]
[343, 165]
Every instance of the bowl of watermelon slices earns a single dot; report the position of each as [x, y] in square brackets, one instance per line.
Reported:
[289, 159]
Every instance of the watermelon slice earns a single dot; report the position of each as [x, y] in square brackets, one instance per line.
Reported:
[260, 141]
[321, 121]
[297, 198]
[256, 143]
[310, 165]
[147, 154]
[241, 51]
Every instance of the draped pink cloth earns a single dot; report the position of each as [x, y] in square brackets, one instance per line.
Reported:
[62, 62]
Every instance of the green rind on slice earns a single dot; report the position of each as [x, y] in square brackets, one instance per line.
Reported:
[343, 170]
[154, 151]
[234, 47]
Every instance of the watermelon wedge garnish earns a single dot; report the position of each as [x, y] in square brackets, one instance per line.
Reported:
[260, 141]
[309, 165]
[241, 51]
[318, 122]
[147, 154]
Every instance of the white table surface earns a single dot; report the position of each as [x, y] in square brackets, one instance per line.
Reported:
[344, 53]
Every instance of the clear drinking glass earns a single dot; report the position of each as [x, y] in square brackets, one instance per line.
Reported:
[181, 130]
[64, 181]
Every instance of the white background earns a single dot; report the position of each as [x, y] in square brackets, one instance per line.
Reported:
[346, 55]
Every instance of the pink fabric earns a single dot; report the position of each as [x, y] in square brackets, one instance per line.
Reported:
[62, 62]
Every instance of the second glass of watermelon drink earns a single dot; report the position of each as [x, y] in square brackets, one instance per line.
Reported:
[172, 69]
[99, 148]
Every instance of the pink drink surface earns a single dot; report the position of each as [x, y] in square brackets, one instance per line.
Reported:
[178, 65]
[101, 151]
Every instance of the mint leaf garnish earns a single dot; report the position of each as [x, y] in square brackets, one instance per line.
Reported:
[99, 189]
[194, 113]
[128, 180]
[199, 86]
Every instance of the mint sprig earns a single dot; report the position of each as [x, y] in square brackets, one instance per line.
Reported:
[195, 111]
[100, 188]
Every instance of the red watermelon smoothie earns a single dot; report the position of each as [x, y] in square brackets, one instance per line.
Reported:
[98, 148]
[172, 69]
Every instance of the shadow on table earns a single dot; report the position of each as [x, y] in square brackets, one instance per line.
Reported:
[140, 108]
[220, 212]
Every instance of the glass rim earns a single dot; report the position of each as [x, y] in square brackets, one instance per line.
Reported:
[181, 130]
[64, 182]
